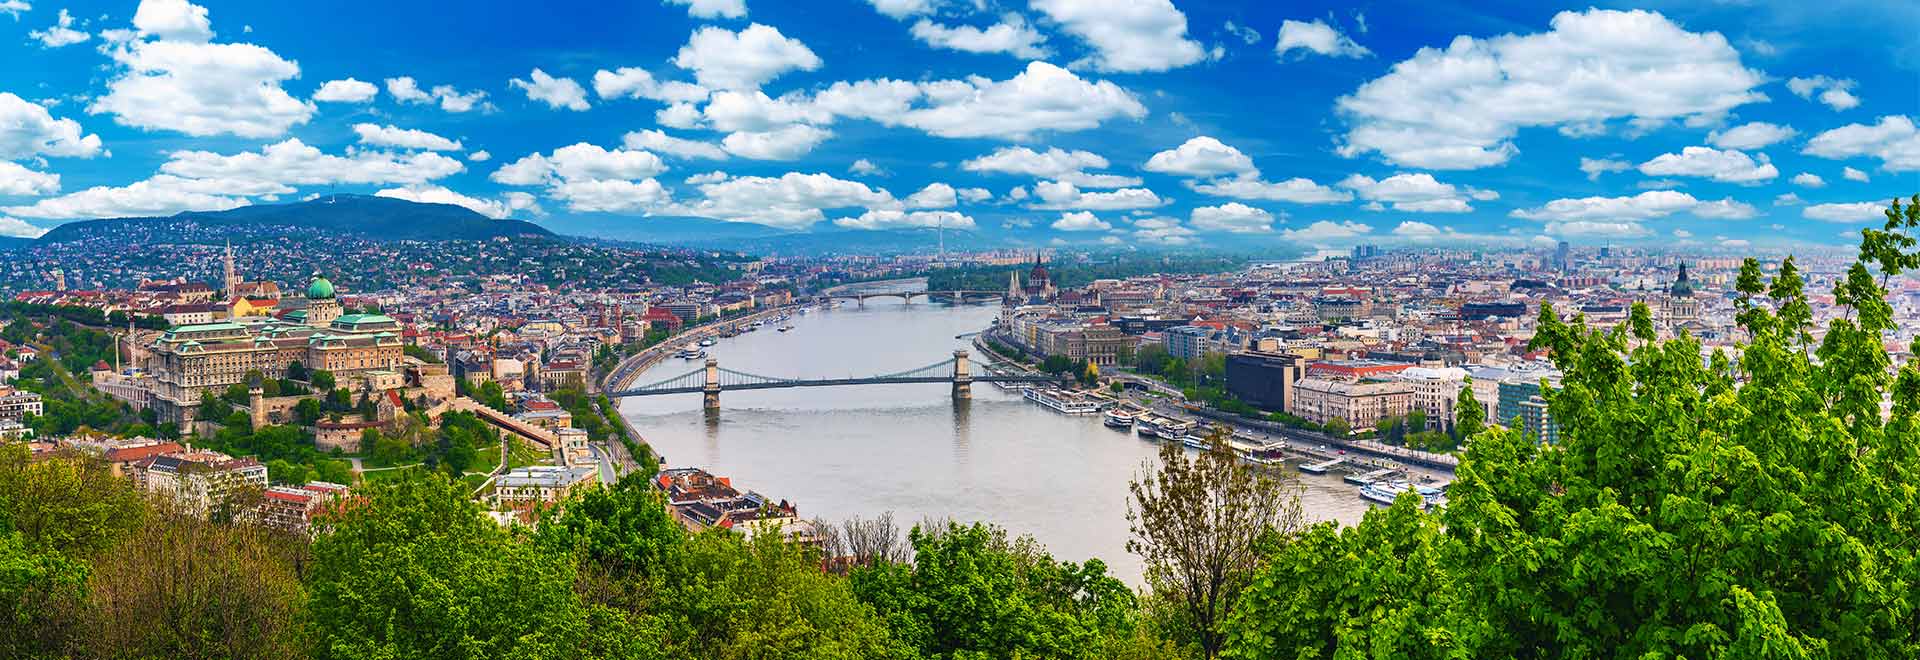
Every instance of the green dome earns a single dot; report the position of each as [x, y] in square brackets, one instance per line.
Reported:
[320, 288]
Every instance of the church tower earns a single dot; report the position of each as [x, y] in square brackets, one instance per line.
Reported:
[233, 284]
[322, 308]
[1680, 305]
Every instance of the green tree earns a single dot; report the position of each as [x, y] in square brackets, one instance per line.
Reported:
[321, 380]
[1469, 417]
[296, 371]
[1198, 523]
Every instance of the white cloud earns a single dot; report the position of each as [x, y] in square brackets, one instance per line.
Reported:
[1727, 166]
[1893, 140]
[1417, 192]
[1598, 229]
[631, 82]
[866, 167]
[897, 219]
[1162, 230]
[176, 20]
[793, 200]
[1043, 97]
[15, 8]
[1848, 212]
[1316, 37]
[678, 115]
[713, 8]
[16, 179]
[1298, 190]
[1682, 234]
[1632, 209]
[16, 227]
[60, 33]
[480, 156]
[1751, 135]
[1080, 221]
[294, 163]
[1594, 167]
[723, 59]
[1834, 92]
[755, 111]
[1460, 107]
[1851, 174]
[654, 140]
[1809, 180]
[1232, 217]
[1054, 163]
[176, 80]
[785, 143]
[405, 90]
[555, 92]
[1246, 34]
[1325, 231]
[496, 209]
[580, 162]
[1788, 199]
[346, 90]
[157, 196]
[609, 195]
[1059, 195]
[404, 138]
[975, 195]
[1126, 35]
[715, 176]
[28, 130]
[1201, 157]
[1011, 35]
[1735, 242]
[935, 196]
[902, 9]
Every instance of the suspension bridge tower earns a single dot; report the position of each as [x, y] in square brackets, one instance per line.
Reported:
[962, 377]
[710, 391]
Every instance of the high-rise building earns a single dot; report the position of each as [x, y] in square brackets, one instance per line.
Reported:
[1563, 257]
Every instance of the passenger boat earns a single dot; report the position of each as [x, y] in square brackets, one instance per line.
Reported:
[707, 342]
[1384, 493]
[1175, 429]
[1195, 441]
[1065, 403]
[1148, 426]
[1119, 419]
[690, 353]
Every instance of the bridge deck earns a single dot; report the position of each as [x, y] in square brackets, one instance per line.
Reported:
[832, 382]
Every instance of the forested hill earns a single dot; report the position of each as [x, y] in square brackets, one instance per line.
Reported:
[357, 216]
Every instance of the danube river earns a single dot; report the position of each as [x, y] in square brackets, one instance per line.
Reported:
[838, 452]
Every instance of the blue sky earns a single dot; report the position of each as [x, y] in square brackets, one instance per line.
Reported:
[1729, 125]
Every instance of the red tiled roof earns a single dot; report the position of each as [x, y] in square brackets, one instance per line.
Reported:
[131, 454]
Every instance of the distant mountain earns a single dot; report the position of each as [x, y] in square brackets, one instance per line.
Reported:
[662, 230]
[361, 216]
[14, 242]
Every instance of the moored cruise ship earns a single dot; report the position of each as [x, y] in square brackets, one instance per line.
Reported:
[1118, 418]
[1063, 402]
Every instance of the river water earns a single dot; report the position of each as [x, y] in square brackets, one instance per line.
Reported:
[838, 452]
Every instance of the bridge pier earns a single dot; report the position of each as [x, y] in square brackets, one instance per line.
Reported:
[962, 377]
[710, 391]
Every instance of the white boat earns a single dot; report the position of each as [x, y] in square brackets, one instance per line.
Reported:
[1119, 419]
[785, 328]
[1175, 429]
[1195, 441]
[1148, 425]
[1384, 493]
[690, 353]
[1066, 403]
[707, 342]
[1321, 468]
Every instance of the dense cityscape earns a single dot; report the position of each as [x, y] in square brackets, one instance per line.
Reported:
[959, 330]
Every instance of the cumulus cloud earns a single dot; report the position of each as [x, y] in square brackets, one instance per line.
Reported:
[406, 90]
[1632, 209]
[1418, 192]
[897, 219]
[902, 9]
[580, 162]
[1060, 195]
[1851, 174]
[713, 8]
[170, 77]
[1054, 163]
[1231, 217]
[1201, 157]
[480, 156]
[1460, 107]
[60, 34]
[610, 195]
[785, 143]
[16, 227]
[1162, 230]
[632, 82]
[1326, 231]
[404, 138]
[1043, 97]
[1298, 190]
[1836, 93]
[1011, 35]
[555, 92]
[1893, 140]
[157, 196]
[934, 196]
[1809, 180]
[724, 59]
[1594, 167]
[1080, 221]
[1854, 212]
[1751, 135]
[1126, 35]
[1727, 166]
[17, 180]
[294, 163]
[28, 130]
[658, 141]
[793, 200]
[1598, 229]
[866, 167]
[496, 209]
[1316, 37]
[15, 8]
[346, 90]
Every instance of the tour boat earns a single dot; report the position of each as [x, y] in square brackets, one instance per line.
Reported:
[1065, 403]
[1119, 419]
[1176, 429]
[690, 353]
[1148, 425]
[707, 342]
[1384, 493]
[1195, 441]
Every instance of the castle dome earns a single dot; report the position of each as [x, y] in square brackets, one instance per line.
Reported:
[319, 289]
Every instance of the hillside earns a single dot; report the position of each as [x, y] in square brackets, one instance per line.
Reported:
[361, 216]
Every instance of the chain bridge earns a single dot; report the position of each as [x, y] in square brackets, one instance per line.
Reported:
[712, 379]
